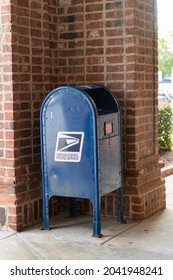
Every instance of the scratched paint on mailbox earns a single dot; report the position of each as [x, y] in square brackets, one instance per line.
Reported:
[69, 146]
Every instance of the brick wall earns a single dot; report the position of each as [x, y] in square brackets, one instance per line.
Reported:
[7, 135]
[50, 43]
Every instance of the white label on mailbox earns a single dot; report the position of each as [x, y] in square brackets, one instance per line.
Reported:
[69, 146]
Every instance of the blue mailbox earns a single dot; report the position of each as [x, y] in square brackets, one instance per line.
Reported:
[81, 149]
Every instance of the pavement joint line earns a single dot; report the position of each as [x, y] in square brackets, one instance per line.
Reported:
[5, 237]
[36, 253]
[118, 234]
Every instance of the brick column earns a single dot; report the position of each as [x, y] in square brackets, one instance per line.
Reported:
[24, 80]
[8, 137]
[144, 188]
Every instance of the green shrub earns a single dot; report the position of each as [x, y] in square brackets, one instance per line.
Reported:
[165, 127]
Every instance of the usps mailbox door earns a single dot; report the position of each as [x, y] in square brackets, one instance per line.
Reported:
[70, 145]
[109, 153]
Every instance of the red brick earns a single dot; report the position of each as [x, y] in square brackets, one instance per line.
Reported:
[14, 210]
[138, 208]
[138, 216]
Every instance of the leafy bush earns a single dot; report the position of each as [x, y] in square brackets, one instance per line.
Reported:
[165, 127]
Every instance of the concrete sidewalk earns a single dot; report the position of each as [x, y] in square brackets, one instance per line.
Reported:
[71, 238]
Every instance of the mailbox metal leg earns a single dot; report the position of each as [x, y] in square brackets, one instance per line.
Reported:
[46, 212]
[96, 220]
[120, 205]
[96, 227]
[73, 207]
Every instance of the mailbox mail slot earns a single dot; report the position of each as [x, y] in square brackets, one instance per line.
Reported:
[81, 149]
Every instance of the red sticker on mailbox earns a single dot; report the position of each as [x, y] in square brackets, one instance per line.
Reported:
[108, 127]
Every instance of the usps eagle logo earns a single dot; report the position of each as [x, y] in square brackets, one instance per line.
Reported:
[69, 146]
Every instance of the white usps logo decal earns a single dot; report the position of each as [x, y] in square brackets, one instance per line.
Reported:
[68, 142]
[69, 146]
